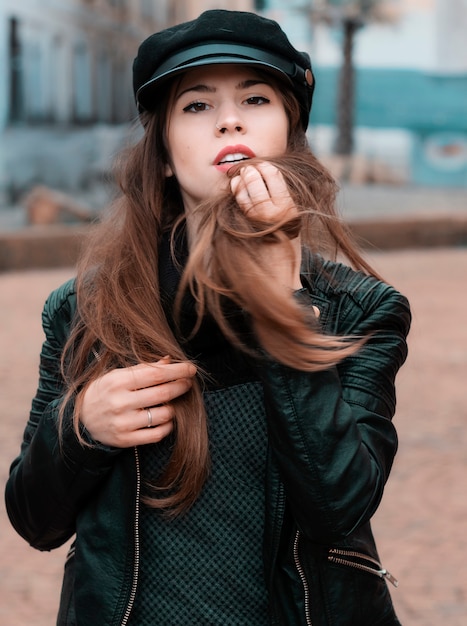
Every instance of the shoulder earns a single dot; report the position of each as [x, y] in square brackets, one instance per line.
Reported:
[60, 308]
[62, 299]
[353, 296]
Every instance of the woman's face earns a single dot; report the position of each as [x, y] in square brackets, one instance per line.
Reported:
[221, 115]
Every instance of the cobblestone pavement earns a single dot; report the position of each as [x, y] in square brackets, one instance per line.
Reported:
[421, 524]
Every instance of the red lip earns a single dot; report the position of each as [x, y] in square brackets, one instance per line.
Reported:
[231, 150]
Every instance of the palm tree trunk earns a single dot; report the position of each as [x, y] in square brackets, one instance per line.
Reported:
[346, 91]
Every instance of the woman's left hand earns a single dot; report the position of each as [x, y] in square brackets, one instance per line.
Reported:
[262, 194]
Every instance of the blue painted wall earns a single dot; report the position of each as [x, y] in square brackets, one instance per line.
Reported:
[406, 99]
[433, 108]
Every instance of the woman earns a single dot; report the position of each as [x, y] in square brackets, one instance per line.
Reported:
[213, 417]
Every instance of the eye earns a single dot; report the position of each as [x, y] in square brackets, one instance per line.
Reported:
[257, 100]
[195, 107]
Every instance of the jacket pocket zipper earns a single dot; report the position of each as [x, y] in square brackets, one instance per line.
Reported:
[70, 555]
[301, 573]
[362, 562]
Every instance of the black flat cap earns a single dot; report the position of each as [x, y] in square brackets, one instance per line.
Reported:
[220, 36]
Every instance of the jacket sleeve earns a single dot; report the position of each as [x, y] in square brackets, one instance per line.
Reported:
[50, 480]
[331, 432]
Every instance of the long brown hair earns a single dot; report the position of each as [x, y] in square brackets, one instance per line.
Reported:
[120, 318]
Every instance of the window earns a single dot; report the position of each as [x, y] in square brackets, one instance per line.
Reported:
[82, 100]
[34, 82]
[104, 88]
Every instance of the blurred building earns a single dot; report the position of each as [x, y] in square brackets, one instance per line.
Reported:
[66, 99]
[68, 62]
[184, 10]
[411, 84]
[65, 83]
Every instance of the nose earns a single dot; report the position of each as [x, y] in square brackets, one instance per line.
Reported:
[229, 121]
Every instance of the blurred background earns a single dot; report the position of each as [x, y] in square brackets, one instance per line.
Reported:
[390, 106]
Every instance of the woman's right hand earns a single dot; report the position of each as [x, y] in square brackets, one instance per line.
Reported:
[132, 406]
[262, 194]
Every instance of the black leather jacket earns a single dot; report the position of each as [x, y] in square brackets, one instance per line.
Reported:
[332, 444]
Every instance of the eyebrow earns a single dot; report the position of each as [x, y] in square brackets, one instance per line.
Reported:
[203, 88]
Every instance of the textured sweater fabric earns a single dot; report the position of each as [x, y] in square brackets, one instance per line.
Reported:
[206, 567]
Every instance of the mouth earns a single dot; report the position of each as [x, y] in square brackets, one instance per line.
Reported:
[231, 155]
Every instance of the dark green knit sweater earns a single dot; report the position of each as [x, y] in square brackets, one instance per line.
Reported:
[206, 567]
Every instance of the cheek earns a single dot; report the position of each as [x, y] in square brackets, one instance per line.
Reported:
[182, 150]
[279, 137]
[280, 140]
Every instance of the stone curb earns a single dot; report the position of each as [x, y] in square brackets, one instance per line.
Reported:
[53, 246]
[411, 232]
[40, 247]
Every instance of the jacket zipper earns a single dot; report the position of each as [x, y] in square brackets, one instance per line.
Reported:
[362, 562]
[131, 601]
[301, 573]
[134, 586]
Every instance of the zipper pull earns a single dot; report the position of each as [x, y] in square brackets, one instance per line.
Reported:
[390, 577]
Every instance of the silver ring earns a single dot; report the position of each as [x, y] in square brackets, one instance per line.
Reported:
[149, 418]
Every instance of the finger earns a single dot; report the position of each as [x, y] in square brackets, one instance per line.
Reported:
[241, 193]
[119, 431]
[275, 183]
[234, 184]
[254, 185]
[250, 192]
[159, 394]
[142, 436]
[145, 436]
[147, 375]
[154, 416]
[263, 193]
